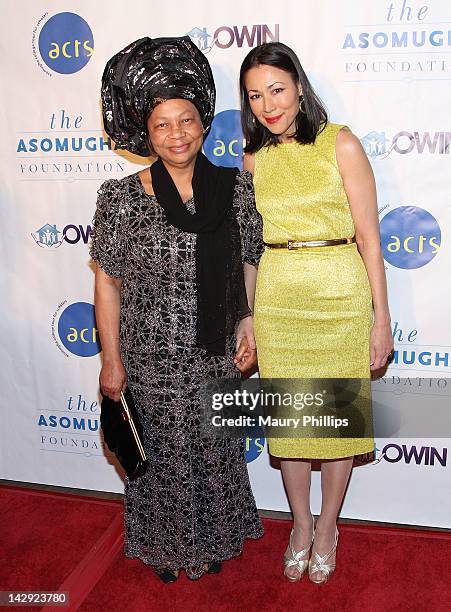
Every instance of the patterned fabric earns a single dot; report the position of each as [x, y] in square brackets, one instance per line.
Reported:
[194, 505]
[147, 71]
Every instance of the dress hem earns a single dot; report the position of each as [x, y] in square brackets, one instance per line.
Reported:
[183, 565]
[332, 455]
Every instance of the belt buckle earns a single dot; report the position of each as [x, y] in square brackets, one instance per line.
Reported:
[295, 244]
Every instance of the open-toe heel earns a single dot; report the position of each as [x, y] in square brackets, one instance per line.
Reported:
[298, 560]
[319, 564]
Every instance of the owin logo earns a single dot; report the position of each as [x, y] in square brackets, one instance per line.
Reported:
[377, 145]
[426, 455]
[238, 35]
[254, 448]
[410, 237]
[224, 144]
[395, 453]
[77, 329]
[50, 237]
[66, 43]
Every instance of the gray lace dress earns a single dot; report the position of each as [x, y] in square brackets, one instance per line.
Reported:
[194, 505]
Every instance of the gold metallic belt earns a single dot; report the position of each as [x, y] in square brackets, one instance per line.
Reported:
[301, 244]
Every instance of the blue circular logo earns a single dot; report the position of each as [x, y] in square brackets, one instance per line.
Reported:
[254, 448]
[410, 237]
[224, 144]
[66, 43]
[77, 329]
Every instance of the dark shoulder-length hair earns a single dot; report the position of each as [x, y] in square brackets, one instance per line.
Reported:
[308, 123]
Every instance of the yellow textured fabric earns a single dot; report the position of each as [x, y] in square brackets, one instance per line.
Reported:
[313, 309]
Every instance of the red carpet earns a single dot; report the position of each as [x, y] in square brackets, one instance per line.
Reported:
[63, 542]
[45, 535]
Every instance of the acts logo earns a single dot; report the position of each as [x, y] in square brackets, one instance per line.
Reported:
[410, 237]
[65, 43]
[74, 328]
[224, 144]
[254, 448]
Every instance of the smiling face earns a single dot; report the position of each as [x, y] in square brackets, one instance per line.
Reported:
[175, 131]
[274, 99]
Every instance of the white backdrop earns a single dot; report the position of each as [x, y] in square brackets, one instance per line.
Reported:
[381, 67]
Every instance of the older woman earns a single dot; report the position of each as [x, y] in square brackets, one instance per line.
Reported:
[169, 293]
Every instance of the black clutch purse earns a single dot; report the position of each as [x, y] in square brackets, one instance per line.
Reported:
[123, 433]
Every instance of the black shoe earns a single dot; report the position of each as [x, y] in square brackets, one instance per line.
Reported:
[165, 574]
[214, 567]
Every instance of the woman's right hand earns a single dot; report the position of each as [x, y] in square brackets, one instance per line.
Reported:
[112, 379]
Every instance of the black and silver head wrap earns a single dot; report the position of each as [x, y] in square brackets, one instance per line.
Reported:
[145, 73]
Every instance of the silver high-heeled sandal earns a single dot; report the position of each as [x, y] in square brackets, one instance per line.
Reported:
[319, 563]
[296, 559]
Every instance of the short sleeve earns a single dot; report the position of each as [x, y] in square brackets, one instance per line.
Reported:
[249, 219]
[108, 233]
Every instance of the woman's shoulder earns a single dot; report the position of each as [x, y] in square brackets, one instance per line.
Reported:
[244, 175]
[114, 185]
[334, 138]
[244, 189]
[330, 131]
[116, 195]
[243, 179]
[346, 141]
[121, 188]
[108, 194]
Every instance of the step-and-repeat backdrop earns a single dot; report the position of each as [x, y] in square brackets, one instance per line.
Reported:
[383, 67]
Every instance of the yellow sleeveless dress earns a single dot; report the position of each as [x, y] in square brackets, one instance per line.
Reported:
[313, 307]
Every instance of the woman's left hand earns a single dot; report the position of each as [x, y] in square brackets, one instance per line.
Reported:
[381, 345]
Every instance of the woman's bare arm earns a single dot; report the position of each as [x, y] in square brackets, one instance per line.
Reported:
[359, 184]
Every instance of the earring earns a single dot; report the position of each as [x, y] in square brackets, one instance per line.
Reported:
[302, 101]
[253, 121]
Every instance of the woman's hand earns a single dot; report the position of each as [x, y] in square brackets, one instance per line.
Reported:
[245, 329]
[112, 379]
[246, 354]
[381, 345]
[245, 358]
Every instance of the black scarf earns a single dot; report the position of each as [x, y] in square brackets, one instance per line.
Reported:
[221, 294]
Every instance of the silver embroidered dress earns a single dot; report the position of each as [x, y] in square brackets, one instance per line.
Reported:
[194, 505]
